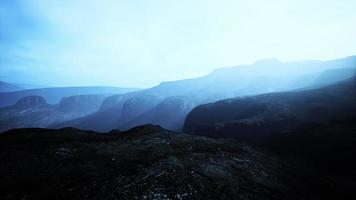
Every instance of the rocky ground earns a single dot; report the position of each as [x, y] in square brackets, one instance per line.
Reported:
[149, 162]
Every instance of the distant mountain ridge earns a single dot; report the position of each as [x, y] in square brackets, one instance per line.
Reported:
[55, 94]
[162, 106]
[34, 111]
[9, 87]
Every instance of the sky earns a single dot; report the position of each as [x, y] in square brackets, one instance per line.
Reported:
[140, 43]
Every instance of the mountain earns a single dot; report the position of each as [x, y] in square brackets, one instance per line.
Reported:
[8, 87]
[317, 126]
[169, 103]
[168, 113]
[275, 112]
[31, 102]
[113, 110]
[34, 111]
[81, 103]
[54, 95]
[149, 162]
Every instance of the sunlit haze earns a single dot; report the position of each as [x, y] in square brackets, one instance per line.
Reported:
[140, 43]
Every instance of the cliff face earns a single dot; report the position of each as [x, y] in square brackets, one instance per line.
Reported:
[55, 94]
[31, 102]
[81, 103]
[33, 111]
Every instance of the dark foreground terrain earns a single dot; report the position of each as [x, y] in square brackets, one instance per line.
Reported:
[149, 162]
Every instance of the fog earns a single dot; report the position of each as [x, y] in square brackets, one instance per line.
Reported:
[142, 43]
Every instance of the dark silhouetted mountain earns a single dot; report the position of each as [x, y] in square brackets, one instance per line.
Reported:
[8, 87]
[54, 95]
[275, 112]
[317, 125]
[33, 111]
[168, 103]
[149, 162]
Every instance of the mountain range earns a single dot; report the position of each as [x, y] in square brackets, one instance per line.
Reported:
[170, 102]
[270, 130]
[34, 111]
[55, 94]
[8, 87]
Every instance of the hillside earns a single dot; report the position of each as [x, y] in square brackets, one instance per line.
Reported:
[275, 112]
[317, 126]
[149, 162]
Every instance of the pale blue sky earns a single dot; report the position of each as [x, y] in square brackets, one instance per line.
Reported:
[139, 43]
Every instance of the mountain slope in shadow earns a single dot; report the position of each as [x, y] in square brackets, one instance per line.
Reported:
[317, 126]
[275, 112]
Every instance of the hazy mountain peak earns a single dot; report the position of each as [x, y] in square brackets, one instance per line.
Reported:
[9, 87]
[268, 61]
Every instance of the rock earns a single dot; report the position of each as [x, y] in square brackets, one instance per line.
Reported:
[31, 102]
[210, 169]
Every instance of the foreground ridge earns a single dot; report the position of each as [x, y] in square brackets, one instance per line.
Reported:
[147, 162]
